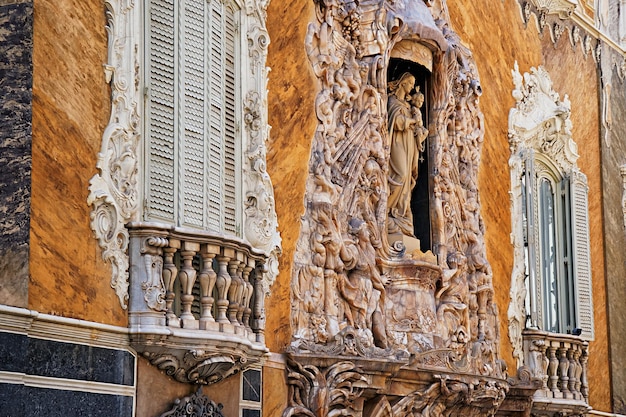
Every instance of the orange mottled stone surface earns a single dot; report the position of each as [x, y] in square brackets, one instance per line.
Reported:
[292, 91]
[71, 106]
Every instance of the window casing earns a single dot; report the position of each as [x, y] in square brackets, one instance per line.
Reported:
[548, 255]
[551, 274]
[192, 112]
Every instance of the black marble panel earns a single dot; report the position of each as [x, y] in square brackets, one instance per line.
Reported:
[48, 358]
[16, 79]
[23, 401]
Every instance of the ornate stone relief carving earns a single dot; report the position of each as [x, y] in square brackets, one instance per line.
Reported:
[555, 14]
[261, 223]
[340, 389]
[539, 121]
[196, 405]
[359, 292]
[114, 191]
[561, 8]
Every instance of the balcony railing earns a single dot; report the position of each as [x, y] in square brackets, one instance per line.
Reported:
[196, 307]
[560, 362]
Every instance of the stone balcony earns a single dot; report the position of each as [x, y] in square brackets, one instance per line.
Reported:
[196, 302]
[559, 361]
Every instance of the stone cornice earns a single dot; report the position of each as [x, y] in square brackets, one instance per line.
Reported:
[62, 329]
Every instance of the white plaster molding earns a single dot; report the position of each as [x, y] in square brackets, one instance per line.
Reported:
[63, 329]
[64, 384]
[114, 190]
[538, 122]
[561, 8]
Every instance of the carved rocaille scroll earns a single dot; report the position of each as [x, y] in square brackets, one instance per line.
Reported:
[358, 292]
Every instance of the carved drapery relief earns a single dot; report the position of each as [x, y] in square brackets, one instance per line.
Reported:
[115, 192]
[355, 292]
[539, 121]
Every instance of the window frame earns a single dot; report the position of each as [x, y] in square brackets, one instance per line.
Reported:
[541, 142]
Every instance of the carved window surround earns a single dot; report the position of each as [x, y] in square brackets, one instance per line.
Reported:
[117, 192]
[540, 130]
[560, 363]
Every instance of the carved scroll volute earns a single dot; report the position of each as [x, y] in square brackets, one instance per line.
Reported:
[153, 287]
[114, 190]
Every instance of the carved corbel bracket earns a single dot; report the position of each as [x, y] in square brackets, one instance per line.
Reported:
[196, 366]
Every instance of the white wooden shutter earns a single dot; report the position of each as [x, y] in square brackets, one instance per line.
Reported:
[230, 136]
[532, 239]
[193, 154]
[215, 115]
[193, 137]
[580, 252]
[160, 164]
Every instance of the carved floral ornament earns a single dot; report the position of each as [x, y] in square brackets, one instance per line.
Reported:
[114, 191]
[364, 290]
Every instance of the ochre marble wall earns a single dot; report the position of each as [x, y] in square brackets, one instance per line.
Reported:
[292, 91]
[70, 111]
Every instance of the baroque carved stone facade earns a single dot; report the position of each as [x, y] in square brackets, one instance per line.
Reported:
[387, 322]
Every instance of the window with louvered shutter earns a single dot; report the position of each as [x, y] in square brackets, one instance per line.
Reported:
[192, 138]
[558, 297]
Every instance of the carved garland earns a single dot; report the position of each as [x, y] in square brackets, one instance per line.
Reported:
[114, 191]
[539, 121]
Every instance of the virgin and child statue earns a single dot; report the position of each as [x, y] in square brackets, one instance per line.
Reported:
[407, 134]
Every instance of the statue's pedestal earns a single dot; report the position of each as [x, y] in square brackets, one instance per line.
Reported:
[410, 308]
[412, 247]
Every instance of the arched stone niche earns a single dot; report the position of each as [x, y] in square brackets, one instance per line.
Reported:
[392, 311]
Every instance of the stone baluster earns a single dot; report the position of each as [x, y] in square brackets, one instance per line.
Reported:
[552, 369]
[579, 369]
[584, 389]
[236, 286]
[187, 277]
[223, 284]
[169, 277]
[244, 291]
[247, 311]
[563, 368]
[207, 279]
[571, 372]
[258, 309]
